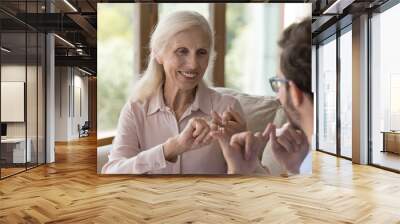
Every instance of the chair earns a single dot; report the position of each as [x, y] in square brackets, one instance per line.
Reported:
[84, 130]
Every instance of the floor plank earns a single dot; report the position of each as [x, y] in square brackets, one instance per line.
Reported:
[70, 191]
[387, 159]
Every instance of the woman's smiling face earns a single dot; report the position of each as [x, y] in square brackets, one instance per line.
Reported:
[185, 58]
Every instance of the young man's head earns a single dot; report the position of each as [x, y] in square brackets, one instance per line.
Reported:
[294, 79]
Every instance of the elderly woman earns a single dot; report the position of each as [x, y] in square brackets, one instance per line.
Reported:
[164, 128]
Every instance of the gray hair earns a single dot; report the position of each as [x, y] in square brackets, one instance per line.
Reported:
[174, 23]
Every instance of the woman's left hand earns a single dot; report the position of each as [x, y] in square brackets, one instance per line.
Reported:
[230, 121]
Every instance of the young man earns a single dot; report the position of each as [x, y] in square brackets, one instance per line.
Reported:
[293, 87]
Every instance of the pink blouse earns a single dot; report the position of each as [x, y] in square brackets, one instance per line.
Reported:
[144, 127]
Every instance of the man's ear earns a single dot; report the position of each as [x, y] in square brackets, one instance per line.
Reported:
[296, 94]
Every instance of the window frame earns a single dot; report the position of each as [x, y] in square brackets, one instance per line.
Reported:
[333, 37]
[43, 39]
[381, 9]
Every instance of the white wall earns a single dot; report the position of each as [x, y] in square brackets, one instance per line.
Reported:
[62, 81]
[69, 85]
[33, 126]
[16, 73]
[80, 94]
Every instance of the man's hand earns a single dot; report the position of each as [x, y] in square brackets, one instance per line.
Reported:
[241, 151]
[289, 146]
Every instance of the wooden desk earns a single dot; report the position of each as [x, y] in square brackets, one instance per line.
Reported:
[391, 141]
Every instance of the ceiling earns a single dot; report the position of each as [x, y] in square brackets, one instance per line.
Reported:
[74, 21]
[328, 16]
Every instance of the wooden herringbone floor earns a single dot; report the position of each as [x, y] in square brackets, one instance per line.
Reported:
[70, 191]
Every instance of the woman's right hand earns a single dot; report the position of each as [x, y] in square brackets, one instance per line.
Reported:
[195, 135]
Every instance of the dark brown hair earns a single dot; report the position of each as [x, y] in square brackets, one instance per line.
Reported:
[295, 61]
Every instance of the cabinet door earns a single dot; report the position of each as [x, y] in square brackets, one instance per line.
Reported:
[392, 142]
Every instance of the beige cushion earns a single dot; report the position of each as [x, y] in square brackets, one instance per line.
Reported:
[258, 110]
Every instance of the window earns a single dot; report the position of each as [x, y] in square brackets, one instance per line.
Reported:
[385, 88]
[23, 89]
[327, 96]
[252, 33]
[314, 89]
[116, 70]
[346, 94]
